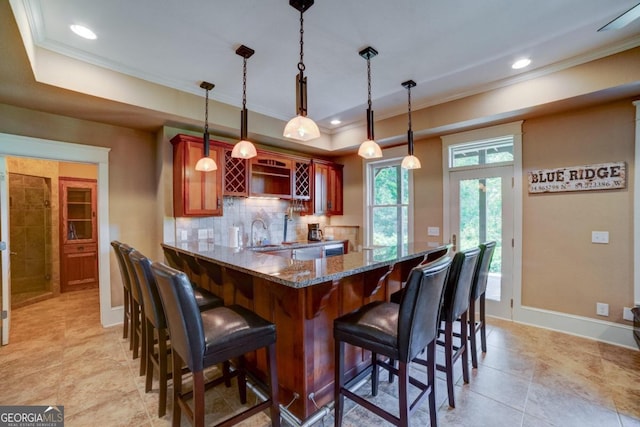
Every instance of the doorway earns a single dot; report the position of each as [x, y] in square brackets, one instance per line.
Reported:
[481, 202]
[21, 146]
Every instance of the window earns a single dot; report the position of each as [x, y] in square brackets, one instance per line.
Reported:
[389, 200]
[477, 153]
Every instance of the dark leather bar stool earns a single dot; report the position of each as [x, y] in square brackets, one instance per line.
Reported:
[478, 291]
[126, 290]
[205, 298]
[138, 309]
[122, 254]
[396, 297]
[203, 339]
[455, 306]
[399, 332]
[155, 324]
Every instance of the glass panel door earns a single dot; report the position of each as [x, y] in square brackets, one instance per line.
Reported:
[481, 211]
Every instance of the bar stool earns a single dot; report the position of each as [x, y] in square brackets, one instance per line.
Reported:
[155, 324]
[203, 339]
[122, 254]
[126, 290]
[138, 309]
[478, 292]
[455, 306]
[399, 332]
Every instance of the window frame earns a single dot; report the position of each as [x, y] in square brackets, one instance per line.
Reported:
[369, 166]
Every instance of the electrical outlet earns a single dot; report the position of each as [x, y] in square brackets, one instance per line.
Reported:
[627, 314]
[433, 231]
[202, 233]
[602, 309]
[601, 237]
[183, 235]
[210, 233]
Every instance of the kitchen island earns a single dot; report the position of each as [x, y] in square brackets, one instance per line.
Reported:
[302, 298]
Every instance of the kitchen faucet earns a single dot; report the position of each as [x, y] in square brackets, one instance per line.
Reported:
[253, 242]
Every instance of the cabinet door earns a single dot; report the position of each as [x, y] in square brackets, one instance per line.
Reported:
[334, 190]
[77, 211]
[321, 174]
[195, 193]
[79, 267]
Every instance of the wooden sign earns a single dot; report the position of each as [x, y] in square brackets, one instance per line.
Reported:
[604, 176]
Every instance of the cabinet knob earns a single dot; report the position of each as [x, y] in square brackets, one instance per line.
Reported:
[81, 248]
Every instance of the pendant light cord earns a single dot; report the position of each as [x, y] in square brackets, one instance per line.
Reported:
[244, 83]
[301, 63]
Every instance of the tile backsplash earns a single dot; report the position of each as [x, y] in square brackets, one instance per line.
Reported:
[241, 212]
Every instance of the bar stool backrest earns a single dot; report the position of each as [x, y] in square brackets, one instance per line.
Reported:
[420, 307]
[458, 288]
[183, 316]
[126, 282]
[125, 250]
[150, 296]
[482, 270]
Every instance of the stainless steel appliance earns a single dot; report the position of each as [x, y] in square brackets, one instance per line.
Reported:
[315, 234]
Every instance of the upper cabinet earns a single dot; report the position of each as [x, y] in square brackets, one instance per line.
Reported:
[314, 185]
[271, 175]
[195, 193]
[327, 189]
[236, 174]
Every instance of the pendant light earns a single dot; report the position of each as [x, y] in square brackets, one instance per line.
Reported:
[369, 149]
[301, 127]
[244, 149]
[410, 161]
[206, 163]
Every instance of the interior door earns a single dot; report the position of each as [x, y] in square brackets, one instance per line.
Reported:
[5, 286]
[482, 210]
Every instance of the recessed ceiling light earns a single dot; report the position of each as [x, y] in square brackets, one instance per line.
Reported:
[335, 122]
[83, 32]
[521, 63]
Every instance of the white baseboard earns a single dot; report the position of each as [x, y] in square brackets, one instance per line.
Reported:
[599, 330]
[112, 317]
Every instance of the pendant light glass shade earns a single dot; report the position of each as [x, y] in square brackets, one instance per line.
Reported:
[301, 127]
[206, 163]
[410, 161]
[369, 149]
[244, 149]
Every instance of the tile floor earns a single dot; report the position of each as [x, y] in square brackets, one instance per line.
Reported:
[59, 354]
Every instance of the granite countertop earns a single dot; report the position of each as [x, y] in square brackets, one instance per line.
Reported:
[301, 273]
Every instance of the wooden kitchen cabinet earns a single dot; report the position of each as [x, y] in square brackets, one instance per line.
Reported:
[327, 191]
[78, 234]
[235, 173]
[195, 193]
[271, 175]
